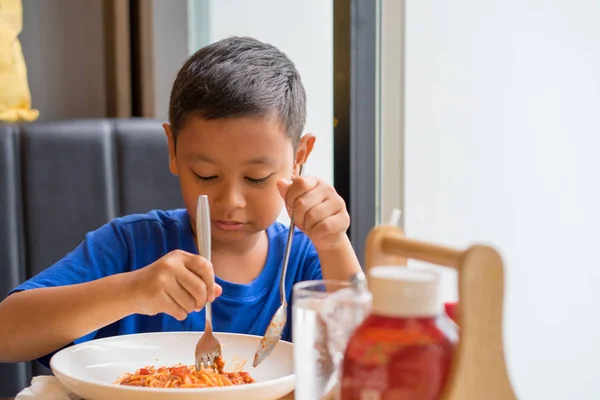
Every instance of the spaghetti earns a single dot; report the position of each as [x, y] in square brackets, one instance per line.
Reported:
[182, 376]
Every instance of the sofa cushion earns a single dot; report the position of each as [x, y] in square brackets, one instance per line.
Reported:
[12, 376]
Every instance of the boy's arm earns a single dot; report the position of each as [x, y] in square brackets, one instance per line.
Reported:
[72, 298]
[94, 286]
[38, 321]
[339, 262]
[320, 212]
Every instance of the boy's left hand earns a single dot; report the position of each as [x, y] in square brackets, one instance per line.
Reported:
[318, 210]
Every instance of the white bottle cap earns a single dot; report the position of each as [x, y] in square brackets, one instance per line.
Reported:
[399, 291]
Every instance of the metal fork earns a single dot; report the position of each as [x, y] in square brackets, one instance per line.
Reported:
[277, 324]
[208, 347]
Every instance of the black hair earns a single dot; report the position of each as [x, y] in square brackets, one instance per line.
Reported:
[239, 77]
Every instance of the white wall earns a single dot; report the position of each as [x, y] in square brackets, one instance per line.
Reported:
[502, 145]
[170, 46]
[301, 29]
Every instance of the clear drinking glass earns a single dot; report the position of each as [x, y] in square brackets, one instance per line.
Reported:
[324, 315]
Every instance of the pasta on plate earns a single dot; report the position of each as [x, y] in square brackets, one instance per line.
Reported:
[182, 376]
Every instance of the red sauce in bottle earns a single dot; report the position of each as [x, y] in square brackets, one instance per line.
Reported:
[404, 349]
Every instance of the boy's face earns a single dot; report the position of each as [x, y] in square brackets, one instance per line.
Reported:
[236, 162]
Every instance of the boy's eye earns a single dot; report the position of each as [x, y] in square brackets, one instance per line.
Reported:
[205, 178]
[260, 180]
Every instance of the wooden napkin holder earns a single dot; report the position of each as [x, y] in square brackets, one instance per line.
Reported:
[478, 368]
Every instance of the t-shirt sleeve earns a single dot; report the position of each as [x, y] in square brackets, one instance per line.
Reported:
[102, 253]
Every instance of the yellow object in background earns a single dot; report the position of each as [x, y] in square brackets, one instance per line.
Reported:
[15, 98]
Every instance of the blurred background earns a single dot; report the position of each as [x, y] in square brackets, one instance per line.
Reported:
[478, 119]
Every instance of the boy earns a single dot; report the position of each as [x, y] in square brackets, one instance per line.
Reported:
[236, 114]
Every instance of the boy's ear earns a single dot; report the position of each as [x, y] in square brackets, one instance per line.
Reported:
[171, 142]
[305, 147]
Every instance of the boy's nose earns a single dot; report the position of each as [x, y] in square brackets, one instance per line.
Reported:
[230, 198]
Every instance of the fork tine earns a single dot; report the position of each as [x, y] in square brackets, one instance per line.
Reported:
[208, 358]
[207, 362]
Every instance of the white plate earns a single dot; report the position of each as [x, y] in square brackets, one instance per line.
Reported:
[90, 369]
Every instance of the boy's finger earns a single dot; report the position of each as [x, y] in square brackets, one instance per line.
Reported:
[300, 185]
[182, 296]
[173, 308]
[319, 213]
[203, 268]
[333, 223]
[194, 285]
[283, 185]
[304, 205]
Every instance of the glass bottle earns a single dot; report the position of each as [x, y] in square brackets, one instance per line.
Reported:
[404, 349]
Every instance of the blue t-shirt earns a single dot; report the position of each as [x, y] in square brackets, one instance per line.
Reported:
[132, 242]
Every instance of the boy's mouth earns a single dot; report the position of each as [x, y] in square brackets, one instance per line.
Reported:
[229, 225]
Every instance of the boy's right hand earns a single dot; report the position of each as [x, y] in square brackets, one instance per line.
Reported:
[176, 284]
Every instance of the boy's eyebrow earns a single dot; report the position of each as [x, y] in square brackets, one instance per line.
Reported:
[202, 157]
[257, 160]
[261, 160]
